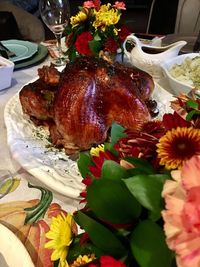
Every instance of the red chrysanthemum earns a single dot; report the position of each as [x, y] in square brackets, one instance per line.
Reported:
[95, 170]
[110, 45]
[82, 43]
[123, 33]
[108, 261]
[171, 121]
[155, 128]
[137, 144]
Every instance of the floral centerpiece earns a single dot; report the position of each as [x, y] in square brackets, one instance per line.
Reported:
[94, 29]
[141, 200]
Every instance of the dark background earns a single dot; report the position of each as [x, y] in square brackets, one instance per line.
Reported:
[136, 15]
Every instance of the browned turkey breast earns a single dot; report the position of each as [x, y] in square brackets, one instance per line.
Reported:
[91, 94]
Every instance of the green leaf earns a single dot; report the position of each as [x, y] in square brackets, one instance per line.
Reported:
[56, 263]
[191, 114]
[84, 162]
[101, 237]
[192, 104]
[71, 53]
[67, 30]
[95, 46]
[141, 164]
[117, 132]
[112, 170]
[84, 249]
[112, 202]
[149, 247]
[147, 190]
[97, 37]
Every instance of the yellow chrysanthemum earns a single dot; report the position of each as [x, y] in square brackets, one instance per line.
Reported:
[177, 146]
[82, 260]
[94, 151]
[80, 17]
[106, 16]
[60, 234]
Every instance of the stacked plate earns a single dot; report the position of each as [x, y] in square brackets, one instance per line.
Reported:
[26, 53]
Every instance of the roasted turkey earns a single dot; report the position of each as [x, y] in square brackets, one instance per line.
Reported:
[83, 101]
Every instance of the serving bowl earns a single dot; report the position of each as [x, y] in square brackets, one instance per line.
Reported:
[178, 86]
[6, 72]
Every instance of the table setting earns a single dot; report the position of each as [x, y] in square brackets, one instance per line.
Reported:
[99, 145]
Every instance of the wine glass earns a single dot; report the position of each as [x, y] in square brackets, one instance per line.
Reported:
[55, 14]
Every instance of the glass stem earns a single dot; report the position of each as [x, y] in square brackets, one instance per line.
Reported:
[58, 38]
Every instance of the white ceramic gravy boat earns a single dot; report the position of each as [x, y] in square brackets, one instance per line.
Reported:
[149, 58]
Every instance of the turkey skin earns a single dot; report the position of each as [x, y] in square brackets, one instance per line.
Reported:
[92, 94]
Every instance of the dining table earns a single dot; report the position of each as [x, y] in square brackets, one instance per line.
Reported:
[20, 190]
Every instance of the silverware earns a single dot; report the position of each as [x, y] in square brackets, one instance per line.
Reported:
[5, 51]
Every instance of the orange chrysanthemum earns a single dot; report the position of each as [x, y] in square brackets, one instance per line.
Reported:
[178, 145]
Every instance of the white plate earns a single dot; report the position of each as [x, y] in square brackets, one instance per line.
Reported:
[22, 49]
[12, 251]
[51, 166]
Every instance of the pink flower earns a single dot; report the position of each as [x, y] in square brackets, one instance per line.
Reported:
[88, 4]
[119, 5]
[97, 4]
[182, 214]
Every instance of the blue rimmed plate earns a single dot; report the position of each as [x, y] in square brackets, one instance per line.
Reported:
[22, 49]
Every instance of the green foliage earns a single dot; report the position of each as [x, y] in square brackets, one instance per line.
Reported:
[191, 114]
[141, 166]
[123, 215]
[95, 46]
[101, 236]
[112, 202]
[84, 249]
[147, 190]
[148, 245]
[117, 132]
[112, 170]
[193, 107]
[84, 162]
[192, 104]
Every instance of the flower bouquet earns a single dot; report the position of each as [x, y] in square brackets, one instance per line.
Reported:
[94, 30]
[141, 200]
